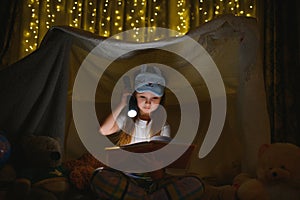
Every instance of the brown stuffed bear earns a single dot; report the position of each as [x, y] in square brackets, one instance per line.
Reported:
[40, 174]
[278, 174]
[81, 171]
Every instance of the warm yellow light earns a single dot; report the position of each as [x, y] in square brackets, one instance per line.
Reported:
[137, 14]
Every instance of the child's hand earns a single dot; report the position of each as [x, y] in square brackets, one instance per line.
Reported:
[125, 98]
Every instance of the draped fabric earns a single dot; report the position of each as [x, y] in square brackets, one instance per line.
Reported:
[33, 18]
[282, 68]
[37, 91]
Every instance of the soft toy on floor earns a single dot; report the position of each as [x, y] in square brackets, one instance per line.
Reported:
[278, 174]
[81, 170]
[40, 174]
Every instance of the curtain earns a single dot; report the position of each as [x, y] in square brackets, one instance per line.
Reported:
[109, 17]
[282, 68]
[8, 12]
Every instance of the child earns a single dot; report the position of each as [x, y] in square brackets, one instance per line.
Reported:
[148, 96]
[149, 121]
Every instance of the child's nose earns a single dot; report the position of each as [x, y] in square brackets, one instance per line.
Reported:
[148, 101]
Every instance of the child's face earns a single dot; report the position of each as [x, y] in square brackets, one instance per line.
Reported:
[147, 102]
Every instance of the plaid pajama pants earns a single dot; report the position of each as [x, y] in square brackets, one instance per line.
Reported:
[112, 184]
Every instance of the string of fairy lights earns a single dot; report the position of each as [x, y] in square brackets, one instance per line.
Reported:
[109, 17]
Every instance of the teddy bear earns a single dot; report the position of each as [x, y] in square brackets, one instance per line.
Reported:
[40, 174]
[277, 174]
[81, 170]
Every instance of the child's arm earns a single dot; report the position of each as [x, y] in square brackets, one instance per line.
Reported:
[110, 126]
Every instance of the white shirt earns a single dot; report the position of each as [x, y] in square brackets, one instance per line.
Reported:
[142, 129]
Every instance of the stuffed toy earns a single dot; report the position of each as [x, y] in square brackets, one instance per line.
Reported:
[278, 174]
[40, 174]
[81, 170]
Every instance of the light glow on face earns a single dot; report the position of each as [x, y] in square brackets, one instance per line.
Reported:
[147, 102]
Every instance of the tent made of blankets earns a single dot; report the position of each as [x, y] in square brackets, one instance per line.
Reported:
[36, 93]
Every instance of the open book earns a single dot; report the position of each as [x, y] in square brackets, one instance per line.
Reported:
[155, 143]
